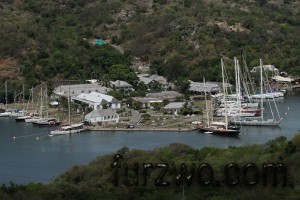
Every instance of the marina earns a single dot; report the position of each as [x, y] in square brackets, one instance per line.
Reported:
[30, 155]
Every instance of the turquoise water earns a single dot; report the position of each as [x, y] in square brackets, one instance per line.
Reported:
[28, 159]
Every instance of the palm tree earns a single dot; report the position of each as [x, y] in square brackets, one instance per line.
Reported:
[104, 80]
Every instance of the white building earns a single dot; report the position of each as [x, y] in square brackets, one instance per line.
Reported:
[121, 85]
[104, 115]
[147, 102]
[171, 95]
[175, 107]
[204, 87]
[269, 68]
[77, 89]
[97, 100]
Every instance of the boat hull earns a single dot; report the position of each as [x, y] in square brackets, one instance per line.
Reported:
[257, 122]
[219, 131]
[58, 132]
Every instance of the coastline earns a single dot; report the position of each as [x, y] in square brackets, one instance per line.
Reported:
[143, 129]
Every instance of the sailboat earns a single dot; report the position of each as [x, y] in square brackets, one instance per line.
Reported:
[260, 121]
[24, 114]
[70, 128]
[238, 108]
[221, 128]
[46, 121]
[5, 113]
[37, 117]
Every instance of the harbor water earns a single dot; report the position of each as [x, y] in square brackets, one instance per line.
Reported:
[28, 154]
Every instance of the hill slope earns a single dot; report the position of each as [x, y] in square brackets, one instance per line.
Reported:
[181, 38]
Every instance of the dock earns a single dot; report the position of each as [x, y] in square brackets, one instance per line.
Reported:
[143, 129]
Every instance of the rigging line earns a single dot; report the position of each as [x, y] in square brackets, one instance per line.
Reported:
[25, 136]
[249, 76]
[272, 98]
[227, 81]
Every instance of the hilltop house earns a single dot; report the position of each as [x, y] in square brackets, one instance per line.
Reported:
[97, 100]
[104, 115]
[150, 80]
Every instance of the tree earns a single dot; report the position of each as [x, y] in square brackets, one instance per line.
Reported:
[104, 80]
[117, 94]
[174, 67]
[166, 102]
[122, 72]
[142, 89]
[157, 106]
[137, 105]
[105, 56]
[249, 24]
[262, 2]
[155, 86]
[182, 84]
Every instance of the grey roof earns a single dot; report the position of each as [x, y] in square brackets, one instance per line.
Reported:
[144, 79]
[174, 105]
[119, 83]
[148, 79]
[147, 100]
[101, 113]
[220, 84]
[204, 87]
[164, 94]
[77, 89]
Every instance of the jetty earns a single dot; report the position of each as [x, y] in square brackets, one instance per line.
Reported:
[98, 128]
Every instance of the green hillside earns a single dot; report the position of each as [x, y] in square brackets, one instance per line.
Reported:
[181, 38]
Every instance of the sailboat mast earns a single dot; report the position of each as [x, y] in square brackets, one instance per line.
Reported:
[223, 80]
[5, 94]
[207, 115]
[32, 99]
[239, 88]
[69, 106]
[41, 108]
[46, 93]
[261, 90]
[23, 92]
[236, 79]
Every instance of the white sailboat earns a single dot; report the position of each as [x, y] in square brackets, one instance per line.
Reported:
[260, 121]
[71, 128]
[24, 115]
[236, 108]
[36, 118]
[220, 128]
[5, 113]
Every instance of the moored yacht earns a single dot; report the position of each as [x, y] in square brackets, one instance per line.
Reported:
[64, 130]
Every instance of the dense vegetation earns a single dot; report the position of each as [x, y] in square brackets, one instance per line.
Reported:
[183, 39]
[94, 181]
[180, 38]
